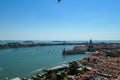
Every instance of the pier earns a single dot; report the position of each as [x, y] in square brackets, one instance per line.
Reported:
[17, 78]
[63, 66]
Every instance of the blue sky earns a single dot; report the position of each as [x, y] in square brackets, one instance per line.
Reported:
[69, 20]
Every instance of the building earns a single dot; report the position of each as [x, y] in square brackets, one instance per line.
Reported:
[90, 46]
[75, 50]
[82, 49]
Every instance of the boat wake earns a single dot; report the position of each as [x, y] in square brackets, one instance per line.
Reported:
[34, 53]
[0, 68]
[35, 71]
[5, 51]
[63, 62]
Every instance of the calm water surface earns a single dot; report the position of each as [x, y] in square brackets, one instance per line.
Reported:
[25, 62]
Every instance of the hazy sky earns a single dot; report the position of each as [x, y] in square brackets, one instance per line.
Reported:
[69, 20]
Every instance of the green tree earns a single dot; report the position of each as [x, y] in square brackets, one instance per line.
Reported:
[84, 63]
[51, 75]
[73, 66]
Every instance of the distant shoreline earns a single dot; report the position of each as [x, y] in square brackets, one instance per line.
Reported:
[19, 45]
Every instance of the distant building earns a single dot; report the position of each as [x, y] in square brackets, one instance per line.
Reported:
[90, 46]
[76, 50]
[80, 49]
[14, 44]
[28, 42]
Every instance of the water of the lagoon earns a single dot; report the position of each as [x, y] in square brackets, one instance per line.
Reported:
[24, 62]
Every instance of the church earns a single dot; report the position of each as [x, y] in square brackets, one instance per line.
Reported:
[90, 46]
[81, 49]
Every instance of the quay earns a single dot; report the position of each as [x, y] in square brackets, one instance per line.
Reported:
[17, 78]
[60, 67]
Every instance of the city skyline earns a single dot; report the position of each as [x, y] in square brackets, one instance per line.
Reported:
[68, 20]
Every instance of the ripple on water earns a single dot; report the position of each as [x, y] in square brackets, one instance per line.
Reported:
[5, 51]
[63, 62]
[0, 68]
